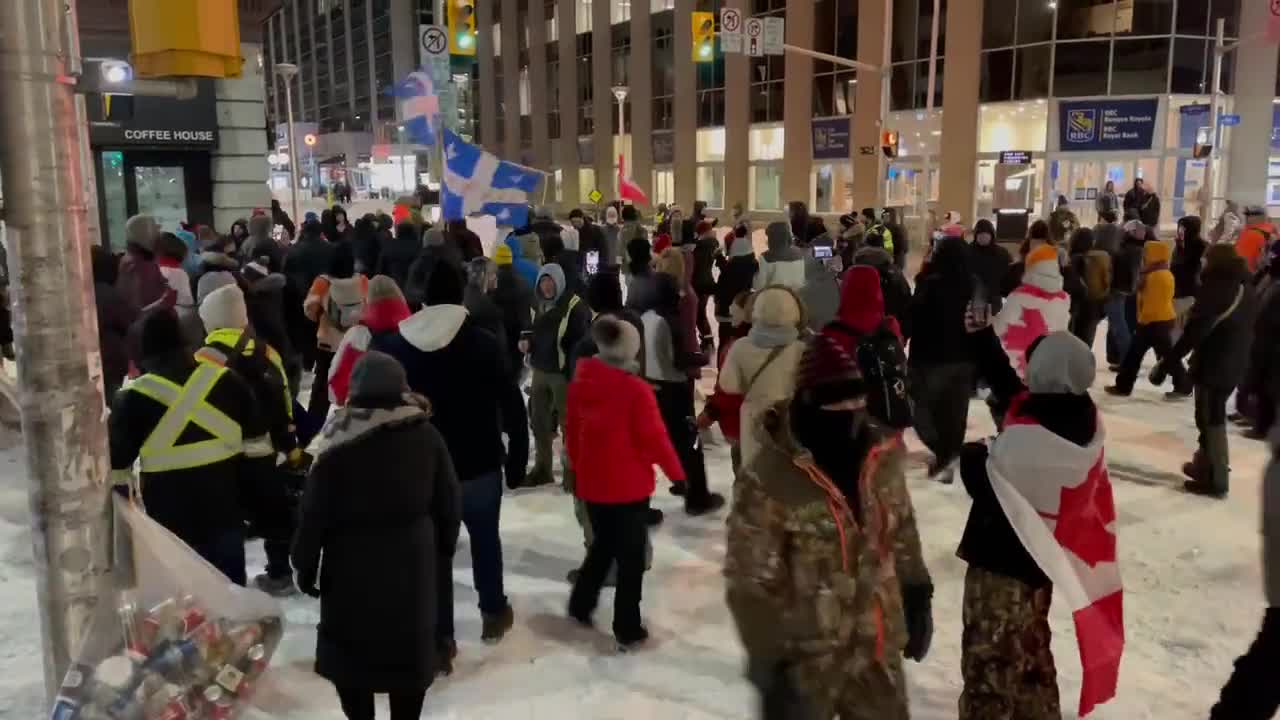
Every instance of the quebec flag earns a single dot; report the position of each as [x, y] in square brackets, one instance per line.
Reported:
[419, 107]
[478, 183]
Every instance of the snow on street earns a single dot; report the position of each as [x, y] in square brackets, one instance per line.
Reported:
[1191, 568]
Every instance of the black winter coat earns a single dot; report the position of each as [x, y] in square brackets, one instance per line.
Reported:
[990, 264]
[938, 334]
[397, 256]
[1220, 346]
[549, 237]
[548, 345]
[486, 314]
[265, 301]
[1185, 265]
[1264, 354]
[705, 251]
[1125, 266]
[306, 261]
[196, 504]
[115, 317]
[382, 507]
[736, 276]
[514, 298]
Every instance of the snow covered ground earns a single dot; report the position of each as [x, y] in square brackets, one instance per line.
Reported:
[1193, 600]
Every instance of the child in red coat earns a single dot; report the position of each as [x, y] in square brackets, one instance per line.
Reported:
[614, 436]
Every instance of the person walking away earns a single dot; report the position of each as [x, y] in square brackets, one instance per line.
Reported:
[781, 264]
[1227, 228]
[281, 218]
[990, 264]
[1218, 334]
[139, 280]
[1107, 235]
[642, 290]
[762, 366]
[169, 256]
[1093, 268]
[482, 278]
[385, 308]
[306, 260]
[115, 317]
[334, 302]
[614, 436]
[1126, 265]
[437, 247]
[940, 365]
[182, 421]
[893, 285]
[561, 322]
[1259, 394]
[260, 246]
[264, 294]
[827, 490]
[669, 354]
[514, 298]
[572, 261]
[527, 266]
[821, 291]
[1107, 201]
[737, 273]
[901, 243]
[398, 256]
[704, 256]
[1188, 253]
[366, 244]
[379, 524]
[474, 401]
[1036, 308]
[1155, 325]
[1052, 444]
[1257, 237]
[268, 429]
[678, 264]
[464, 239]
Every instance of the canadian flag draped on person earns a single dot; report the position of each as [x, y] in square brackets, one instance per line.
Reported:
[1036, 308]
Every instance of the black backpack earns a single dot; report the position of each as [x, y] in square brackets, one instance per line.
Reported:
[259, 373]
[883, 363]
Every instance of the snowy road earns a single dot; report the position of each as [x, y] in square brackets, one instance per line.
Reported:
[1193, 601]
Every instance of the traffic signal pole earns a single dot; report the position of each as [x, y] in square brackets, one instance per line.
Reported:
[55, 325]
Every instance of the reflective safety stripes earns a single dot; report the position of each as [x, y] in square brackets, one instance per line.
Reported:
[186, 404]
[564, 327]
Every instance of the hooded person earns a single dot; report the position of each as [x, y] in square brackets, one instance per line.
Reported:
[280, 217]
[526, 266]
[849, 240]
[544, 226]
[216, 253]
[437, 247]
[1156, 318]
[737, 274]
[560, 323]
[514, 298]
[169, 256]
[1188, 254]
[798, 220]
[705, 256]
[1121, 308]
[334, 302]
[198, 500]
[307, 259]
[1260, 389]
[642, 290]
[821, 291]
[1029, 530]
[678, 227]
[893, 284]
[261, 245]
[115, 317]
[448, 358]
[990, 263]
[572, 260]
[264, 294]
[342, 229]
[1088, 280]
[192, 261]
[239, 233]
[139, 280]
[366, 244]
[901, 243]
[385, 308]
[781, 264]
[823, 543]
[465, 239]
[678, 264]
[1037, 307]
[604, 297]
[482, 279]
[398, 256]
[377, 552]
[1218, 334]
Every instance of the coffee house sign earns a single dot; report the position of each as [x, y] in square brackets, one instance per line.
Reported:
[170, 136]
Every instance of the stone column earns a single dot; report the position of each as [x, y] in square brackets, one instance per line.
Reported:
[567, 26]
[603, 106]
[797, 160]
[737, 120]
[873, 48]
[538, 90]
[373, 79]
[239, 167]
[351, 60]
[1255, 82]
[640, 97]
[685, 109]
[959, 157]
[310, 10]
[272, 58]
[301, 96]
[486, 125]
[511, 32]
[404, 39]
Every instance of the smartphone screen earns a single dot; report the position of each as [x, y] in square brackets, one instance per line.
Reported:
[593, 262]
[823, 252]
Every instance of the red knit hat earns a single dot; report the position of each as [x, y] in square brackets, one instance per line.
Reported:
[660, 243]
[703, 228]
[828, 373]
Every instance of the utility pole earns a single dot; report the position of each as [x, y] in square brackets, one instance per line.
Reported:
[55, 326]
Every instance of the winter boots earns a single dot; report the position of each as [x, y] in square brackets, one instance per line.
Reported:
[496, 626]
[1208, 470]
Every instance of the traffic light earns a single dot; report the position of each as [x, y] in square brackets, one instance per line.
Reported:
[462, 27]
[704, 37]
[889, 143]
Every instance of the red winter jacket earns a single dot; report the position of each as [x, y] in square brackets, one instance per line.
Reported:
[615, 435]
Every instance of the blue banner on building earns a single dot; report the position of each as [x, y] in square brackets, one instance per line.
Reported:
[831, 138]
[1101, 125]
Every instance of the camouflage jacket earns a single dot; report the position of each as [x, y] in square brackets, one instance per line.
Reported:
[808, 583]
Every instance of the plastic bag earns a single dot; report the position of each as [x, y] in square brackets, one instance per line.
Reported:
[176, 641]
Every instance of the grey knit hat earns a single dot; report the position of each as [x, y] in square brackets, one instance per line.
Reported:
[377, 378]
[618, 341]
[1060, 363]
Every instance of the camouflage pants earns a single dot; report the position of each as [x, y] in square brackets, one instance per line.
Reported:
[1005, 655]
[805, 692]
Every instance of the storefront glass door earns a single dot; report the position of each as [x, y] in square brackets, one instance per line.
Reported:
[1081, 180]
[162, 193]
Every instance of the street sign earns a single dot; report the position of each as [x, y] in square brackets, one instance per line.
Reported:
[730, 30]
[1229, 120]
[755, 40]
[434, 41]
[595, 196]
[775, 33]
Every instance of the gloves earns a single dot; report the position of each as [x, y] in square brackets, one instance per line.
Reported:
[917, 606]
[515, 475]
[306, 586]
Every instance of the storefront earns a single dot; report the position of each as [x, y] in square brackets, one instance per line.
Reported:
[153, 156]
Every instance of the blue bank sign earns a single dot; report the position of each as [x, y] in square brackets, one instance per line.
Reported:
[1095, 125]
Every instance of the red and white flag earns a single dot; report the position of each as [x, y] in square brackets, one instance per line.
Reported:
[1273, 21]
[1057, 496]
[1030, 312]
[627, 188]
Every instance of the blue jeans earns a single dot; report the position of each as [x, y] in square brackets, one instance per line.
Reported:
[1119, 334]
[481, 509]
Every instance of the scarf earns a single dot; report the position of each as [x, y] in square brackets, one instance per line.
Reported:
[772, 336]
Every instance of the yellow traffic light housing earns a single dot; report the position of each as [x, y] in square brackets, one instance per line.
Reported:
[185, 39]
[462, 27]
[704, 37]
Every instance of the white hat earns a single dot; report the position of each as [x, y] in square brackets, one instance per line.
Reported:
[224, 308]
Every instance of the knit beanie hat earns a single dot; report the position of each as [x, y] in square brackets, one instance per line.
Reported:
[828, 374]
[1060, 363]
[1044, 253]
[617, 340]
[502, 255]
[253, 271]
[382, 287]
[703, 228]
[211, 281]
[445, 286]
[224, 308]
[377, 378]
[604, 292]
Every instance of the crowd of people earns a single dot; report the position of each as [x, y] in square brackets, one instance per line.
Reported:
[433, 362]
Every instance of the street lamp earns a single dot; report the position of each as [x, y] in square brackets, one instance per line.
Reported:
[404, 182]
[287, 71]
[620, 93]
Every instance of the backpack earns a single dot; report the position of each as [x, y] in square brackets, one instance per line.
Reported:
[1097, 275]
[343, 305]
[254, 366]
[883, 363]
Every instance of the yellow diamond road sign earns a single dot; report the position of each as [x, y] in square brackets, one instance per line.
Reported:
[596, 196]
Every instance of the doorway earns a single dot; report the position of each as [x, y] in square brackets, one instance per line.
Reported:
[1082, 179]
[172, 187]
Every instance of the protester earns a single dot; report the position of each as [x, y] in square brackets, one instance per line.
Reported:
[1144, 202]
[377, 552]
[342, 230]
[1121, 309]
[216, 254]
[723, 407]
[1218, 333]
[941, 360]
[561, 322]
[571, 260]
[281, 218]
[474, 401]
[1254, 243]
[397, 257]
[140, 280]
[514, 298]
[781, 264]
[264, 294]
[614, 436]
[1107, 235]
[901, 243]
[678, 263]
[334, 302]
[990, 263]
[737, 273]
[850, 238]
[642, 289]
[115, 317]
[893, 285]
[1038, 306]
[1260, 390]
[823, 544]
[1107, 201]
[307, 259]
[365, 244]
[436, 248]
[876, 226]
[170, 252]
[385, 308]
[195, 497]
[1188, 253]
[762, 366]
[464, 239]
[1227, 228]
[705, 256]
[1155, 325]
[482, 278]
[1092, 266]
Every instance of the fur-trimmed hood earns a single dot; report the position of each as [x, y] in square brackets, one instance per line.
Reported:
[349, 424]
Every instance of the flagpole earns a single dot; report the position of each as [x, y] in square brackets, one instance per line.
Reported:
[620, 92]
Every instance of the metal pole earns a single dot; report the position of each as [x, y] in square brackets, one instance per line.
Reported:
[622, 153]
[922, 198]
[1214, 89]
[287, 71]
[404, 181]
[59, 364]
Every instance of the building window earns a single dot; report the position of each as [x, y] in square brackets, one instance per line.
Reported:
[1035, 22]
[1080, 68]
[1146, 17]
[1079, 19]
[997, 76]
[765, 187]
[711, 184]
[1191, 66]
[1140, 66]
[1031, 74]
[998, 23]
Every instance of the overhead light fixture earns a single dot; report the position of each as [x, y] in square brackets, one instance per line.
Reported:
[115, 72]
